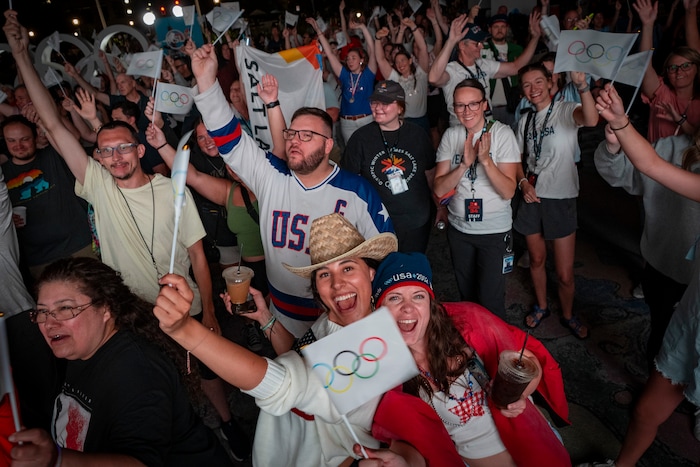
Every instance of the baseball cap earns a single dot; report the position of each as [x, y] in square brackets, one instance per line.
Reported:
[499, 19]
[388, 92]
[474, 33]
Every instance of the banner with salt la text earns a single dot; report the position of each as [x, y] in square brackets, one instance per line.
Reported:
[298, 72]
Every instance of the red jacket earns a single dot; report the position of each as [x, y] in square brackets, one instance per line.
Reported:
[528, 437]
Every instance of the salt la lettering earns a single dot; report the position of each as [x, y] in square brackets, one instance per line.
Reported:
[257, 104]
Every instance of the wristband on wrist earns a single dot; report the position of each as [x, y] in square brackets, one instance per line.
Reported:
[272, 104]
[414, 29]
[524, 179]
[269, 324]
[161, 146]
[586, 88]
[622, 127]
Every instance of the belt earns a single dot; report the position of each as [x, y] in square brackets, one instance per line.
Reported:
[354, 117]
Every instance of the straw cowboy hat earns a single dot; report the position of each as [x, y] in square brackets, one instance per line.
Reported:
[333, 238]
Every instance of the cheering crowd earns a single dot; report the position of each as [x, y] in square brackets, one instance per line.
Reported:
[434, 116]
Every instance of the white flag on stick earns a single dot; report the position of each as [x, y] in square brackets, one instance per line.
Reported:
[54, 41]
[222, 18]
[146, 64]
[290, 18]
[632, 72]
[6, 384]
[173, 99]
[361, 361]
[598, 53]
[188, 15]
[178, 177]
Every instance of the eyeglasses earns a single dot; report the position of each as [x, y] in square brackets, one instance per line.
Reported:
[572, 20]
[304, 135]
[124, 148]
[473, 106]
[62, 313]
[683, 66]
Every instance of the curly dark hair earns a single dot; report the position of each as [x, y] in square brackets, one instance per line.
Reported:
[444, 341]
[105, 287]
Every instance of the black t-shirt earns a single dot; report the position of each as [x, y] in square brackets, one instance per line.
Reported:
[407, 149]
[57, 220]
[128, 399]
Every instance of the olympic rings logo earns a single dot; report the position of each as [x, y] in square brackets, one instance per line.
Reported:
[142, 63]
[178, 100]
[348, 364]
[595, 52]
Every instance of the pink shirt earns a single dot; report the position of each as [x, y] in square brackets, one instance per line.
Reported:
[659, 127]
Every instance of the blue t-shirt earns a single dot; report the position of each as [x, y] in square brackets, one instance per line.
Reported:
[364, 89]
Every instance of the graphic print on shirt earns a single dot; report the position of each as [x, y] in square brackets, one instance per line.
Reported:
[30, 184]
[399, 162]
[72, 419]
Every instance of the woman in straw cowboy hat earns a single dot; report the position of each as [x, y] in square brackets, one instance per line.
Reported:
[298, 424]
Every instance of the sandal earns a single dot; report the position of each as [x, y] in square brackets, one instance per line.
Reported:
[575, 327]
[537, 315]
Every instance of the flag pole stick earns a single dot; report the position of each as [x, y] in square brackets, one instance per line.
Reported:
[6, 378]
[354, 436]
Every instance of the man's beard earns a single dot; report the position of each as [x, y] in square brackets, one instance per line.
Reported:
[309, 163]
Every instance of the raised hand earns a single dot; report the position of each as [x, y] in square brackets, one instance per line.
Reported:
[647, 11]
[534, 24]
[173, 303]
[611, 108]
[155, 136]
[205, 66]
[383, 32]
[469, 151]
[456, 28]
[483, 147]
[268, 88]
[16, 34]
[149, 113]
[86, 107]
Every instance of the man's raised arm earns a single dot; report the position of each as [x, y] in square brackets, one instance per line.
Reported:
[66, 144]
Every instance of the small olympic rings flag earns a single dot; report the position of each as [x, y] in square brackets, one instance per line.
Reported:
[173, 99]
[362, 361]
[598, 53]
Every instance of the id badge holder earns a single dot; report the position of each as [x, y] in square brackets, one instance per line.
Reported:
[397, 184]
[474, 209]
[508, 256]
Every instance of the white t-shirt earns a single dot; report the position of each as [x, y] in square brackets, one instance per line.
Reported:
[415, 87]
[482, 70]
[125, 240]
[467, 419]
[557, 177]
[497, 216]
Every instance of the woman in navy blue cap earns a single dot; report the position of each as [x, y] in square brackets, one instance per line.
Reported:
[456, 347]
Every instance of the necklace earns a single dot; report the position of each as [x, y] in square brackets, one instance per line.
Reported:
[537, 142]
[153, 223]
[465, 407]
[219, 171]
[353, 86]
